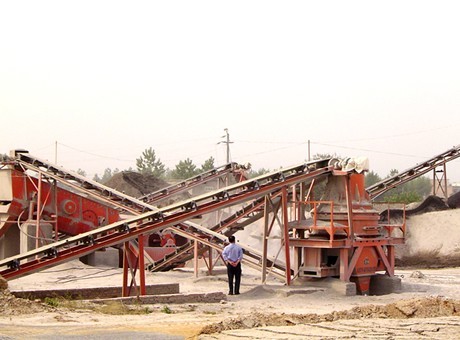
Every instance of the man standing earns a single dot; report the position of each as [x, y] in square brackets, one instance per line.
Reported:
[233, 254]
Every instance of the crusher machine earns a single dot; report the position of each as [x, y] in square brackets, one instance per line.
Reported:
[41, 203]
[35, 211]
[340, 235]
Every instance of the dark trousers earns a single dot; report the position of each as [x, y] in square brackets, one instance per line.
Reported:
[234, 273]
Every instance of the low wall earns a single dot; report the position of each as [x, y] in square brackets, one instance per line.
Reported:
[169, 298]
[95, 293]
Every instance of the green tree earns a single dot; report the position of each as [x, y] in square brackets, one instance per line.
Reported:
[393, 172]
[184, 169]
[413, 191]
[260, 172]
[106, 175]
[149, 164]
[81, 172]
[371, 178]
[421, 186]
[405, 197]
[208, 164]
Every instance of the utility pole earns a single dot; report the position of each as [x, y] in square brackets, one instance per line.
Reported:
[55, 152]
[309, 151]
[227, 141]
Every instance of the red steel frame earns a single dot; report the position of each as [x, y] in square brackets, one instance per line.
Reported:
[50, 172]
[420, 169]
[282, 186]
[354, 251]
[120, 232]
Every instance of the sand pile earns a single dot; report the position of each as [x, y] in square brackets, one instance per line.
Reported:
[135, 184]
[431, 203]
[454, 201]
[432, 240]
[413, 308]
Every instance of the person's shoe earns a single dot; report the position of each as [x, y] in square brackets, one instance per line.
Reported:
[237, 293]
[230, 293]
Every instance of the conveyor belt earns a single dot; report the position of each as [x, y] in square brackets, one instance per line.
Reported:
[252, 257]
[110, 196]
[420, 169]
[190, 183]
[154, 221]
[250, 213]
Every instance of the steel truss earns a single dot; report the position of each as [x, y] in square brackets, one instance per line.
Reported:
[47, 171]
[215, 174]
[154, 221]
[433, 163]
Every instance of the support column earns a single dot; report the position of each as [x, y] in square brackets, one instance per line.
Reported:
[124, 291]
[141, 263]
[56, 225]
[391, 258]
[344, 264]
[265, 241]
[211, 265]
[39, 210]
[440, 182]
[286, 236]
[195, 258]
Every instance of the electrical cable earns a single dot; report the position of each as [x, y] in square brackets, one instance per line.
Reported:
[28, 235]
[96, 155]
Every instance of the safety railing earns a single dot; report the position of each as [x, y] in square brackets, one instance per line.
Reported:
[392, 218]
[327, 225]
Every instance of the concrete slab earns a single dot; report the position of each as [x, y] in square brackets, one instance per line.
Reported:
[94, 293]
[215, 297]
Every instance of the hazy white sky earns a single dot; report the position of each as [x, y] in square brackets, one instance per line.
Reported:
[108, 79]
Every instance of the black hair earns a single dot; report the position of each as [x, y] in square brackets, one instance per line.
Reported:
[231, 239]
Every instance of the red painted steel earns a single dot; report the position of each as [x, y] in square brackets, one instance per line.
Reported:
[165, 217]
[420, 169]
[75, 214]
[345, 236]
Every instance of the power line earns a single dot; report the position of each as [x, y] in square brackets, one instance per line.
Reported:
[96, 155]
[396, 135]
[331, 145]
[367, 150]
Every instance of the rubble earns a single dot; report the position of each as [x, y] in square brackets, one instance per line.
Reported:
[135, 184]
[427, 307]
[11, 305]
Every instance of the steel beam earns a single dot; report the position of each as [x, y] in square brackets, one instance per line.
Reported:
[171, 215]
[420, 169]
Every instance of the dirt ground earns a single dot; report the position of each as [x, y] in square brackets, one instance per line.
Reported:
[427, 307]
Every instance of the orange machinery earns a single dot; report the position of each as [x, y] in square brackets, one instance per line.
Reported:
[26, 199]
[343, 237]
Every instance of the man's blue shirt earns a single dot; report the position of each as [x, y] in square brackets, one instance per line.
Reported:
[233, 252]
